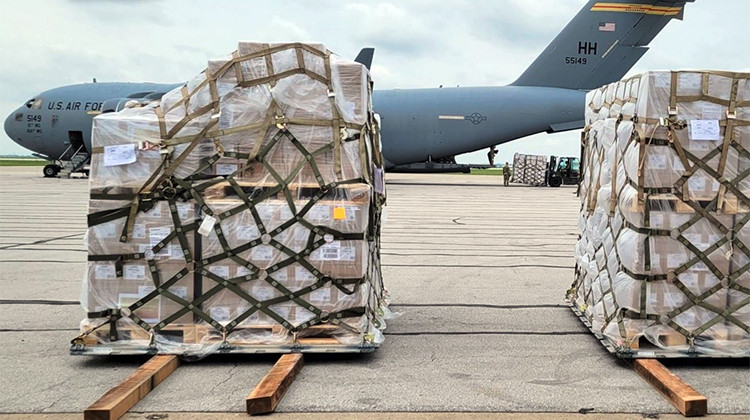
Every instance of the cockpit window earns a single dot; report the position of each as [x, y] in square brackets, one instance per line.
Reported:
[34, 103]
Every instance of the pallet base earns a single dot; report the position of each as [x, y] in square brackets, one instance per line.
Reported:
[643, 349]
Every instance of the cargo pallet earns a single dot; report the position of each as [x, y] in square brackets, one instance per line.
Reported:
[317, 339]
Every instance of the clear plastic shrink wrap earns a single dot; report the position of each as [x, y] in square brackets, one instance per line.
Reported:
[663, 261]
[241, 212]
[530, 169]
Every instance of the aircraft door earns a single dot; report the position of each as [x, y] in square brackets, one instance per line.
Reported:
[75, 139]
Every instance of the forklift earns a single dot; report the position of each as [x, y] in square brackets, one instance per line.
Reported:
[562, 170]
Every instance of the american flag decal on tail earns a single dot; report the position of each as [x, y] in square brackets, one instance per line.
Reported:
[607, 26]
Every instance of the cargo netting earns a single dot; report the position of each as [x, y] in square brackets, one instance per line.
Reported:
[240, 212]
[663, 258]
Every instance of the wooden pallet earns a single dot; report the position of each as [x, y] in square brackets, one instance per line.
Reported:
[355, 193]
[667, 339]
[730, 205]
[321, 338]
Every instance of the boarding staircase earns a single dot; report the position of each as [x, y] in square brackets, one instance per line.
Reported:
[77, 161]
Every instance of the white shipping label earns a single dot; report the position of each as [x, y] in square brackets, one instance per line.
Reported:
[656, 220]
[220, 270]
[226, 168]
[657, 161]
[689, 279]
[301, 273]
[699, 266]
[219, 313]
[282, 311]
[144, 290]
[694, 238]
[104, 272]
[676, 260]
[712, 112]
[207, 226]
[139, 231]
[119, 154]
[705, 130]
[106, 230]
[262, 293]
[134, 272]
[175, 251]
[348, 253]
[262, 253]
[697, 183]
[243, 271]
[352, 213]
[184, 210]
[247, 233]
[280, 275]
[327, 252]
[156, 211]
[319, 213]
[321, 295]
[179, 291]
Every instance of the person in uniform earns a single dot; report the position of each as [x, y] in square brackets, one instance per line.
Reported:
[506, 174]
[491, 156]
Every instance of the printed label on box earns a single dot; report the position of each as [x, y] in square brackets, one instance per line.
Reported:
[262, 253]
[656, 220]
[154, 212]
[280, 275]
[321, 295]
[327, 252]
[133, 272]
[689, 279]
[220, 270]
[226, 168]
[697, 183]
[139, 231]
[145, 289]
[104, 272]
[184, 210]
[657, 161]
[352, 213]
[175, 251]
[319, 213]
[348, 253]
[676, 260]
[302, 274]
[179, 291]
[243, 271]
[705, 130]
[282, 311]
[119, 154]
[106, 230]
[219, 313]
[247, 233]
[262, 293]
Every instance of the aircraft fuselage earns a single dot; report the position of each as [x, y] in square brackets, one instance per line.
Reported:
[417, 124]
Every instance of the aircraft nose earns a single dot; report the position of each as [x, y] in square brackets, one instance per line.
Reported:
[9, 126]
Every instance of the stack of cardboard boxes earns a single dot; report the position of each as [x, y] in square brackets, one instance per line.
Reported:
[241, 209]
[663, 257]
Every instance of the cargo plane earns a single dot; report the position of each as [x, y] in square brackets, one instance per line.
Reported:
[598, 46]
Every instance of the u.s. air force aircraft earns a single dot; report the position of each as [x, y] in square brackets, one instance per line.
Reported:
[600, 44]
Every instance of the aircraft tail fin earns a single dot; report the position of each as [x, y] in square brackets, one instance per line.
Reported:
[365, 57]
[602, 42]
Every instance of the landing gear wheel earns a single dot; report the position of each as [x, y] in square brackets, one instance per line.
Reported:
[50, 171]
[555, 181]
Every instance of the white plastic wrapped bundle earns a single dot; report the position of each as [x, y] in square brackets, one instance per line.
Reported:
[240, 212]
[664, 253]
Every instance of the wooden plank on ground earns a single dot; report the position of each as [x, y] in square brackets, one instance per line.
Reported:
[271, 389]
[118, 400]
[687, 400]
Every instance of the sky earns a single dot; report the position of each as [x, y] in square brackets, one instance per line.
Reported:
[418, 43]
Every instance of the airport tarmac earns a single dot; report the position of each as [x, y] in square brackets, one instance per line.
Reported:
[477, 273]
